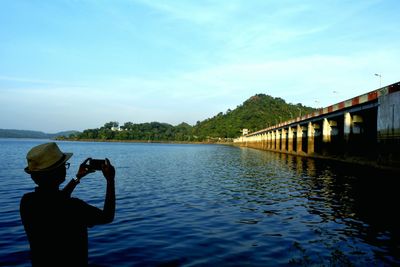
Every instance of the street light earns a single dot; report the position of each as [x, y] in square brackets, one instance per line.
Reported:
[335, 93]
[380, 79]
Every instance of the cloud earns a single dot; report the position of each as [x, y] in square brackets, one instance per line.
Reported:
[193, 94]
[29, 80]
[298, 80]
[202, 12]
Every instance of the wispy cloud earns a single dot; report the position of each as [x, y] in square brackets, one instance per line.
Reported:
[204, 12]
[30, 81]
[300, 79]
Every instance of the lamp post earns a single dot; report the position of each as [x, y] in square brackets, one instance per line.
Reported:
[380, 79]
[335, 93]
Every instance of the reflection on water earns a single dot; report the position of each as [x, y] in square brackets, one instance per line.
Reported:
[355, 206]
[209, 205]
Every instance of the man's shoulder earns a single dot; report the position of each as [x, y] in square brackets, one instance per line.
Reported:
[86, 210]
[78, 202]
[27, 202]
[28, 196]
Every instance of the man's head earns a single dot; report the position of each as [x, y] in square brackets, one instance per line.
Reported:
[46, 164]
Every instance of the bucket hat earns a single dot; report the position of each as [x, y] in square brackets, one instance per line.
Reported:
[45, 157]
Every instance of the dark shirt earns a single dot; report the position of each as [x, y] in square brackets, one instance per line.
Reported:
[56, 226]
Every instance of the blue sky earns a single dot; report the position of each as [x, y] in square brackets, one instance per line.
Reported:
[76, 64]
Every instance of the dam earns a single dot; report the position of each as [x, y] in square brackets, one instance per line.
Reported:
[364, 129]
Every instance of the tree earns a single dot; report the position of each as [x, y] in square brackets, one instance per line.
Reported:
[111, 124]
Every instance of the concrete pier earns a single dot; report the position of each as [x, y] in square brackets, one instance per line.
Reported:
[363, 129]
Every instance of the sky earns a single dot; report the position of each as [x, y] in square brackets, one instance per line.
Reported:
[77, 64]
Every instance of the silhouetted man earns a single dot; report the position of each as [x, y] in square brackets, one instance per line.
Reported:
[55, 223]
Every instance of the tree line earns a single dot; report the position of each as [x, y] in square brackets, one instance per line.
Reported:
[152, 131]
[258, 112]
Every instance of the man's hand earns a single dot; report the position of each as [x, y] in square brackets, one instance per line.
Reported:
[84, 169]
[108, 171]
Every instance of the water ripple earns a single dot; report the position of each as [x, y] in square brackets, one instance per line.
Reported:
[202, 205]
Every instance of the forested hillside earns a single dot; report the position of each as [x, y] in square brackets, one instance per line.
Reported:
[12, 133]
[258, 112]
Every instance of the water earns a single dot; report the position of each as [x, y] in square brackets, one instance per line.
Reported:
[211, 205]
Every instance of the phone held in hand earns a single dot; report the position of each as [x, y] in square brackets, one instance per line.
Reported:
[96, 164]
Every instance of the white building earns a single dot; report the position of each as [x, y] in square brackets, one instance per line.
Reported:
[116, 129]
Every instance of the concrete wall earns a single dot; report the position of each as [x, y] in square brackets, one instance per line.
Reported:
[389, 116]
[388, 121]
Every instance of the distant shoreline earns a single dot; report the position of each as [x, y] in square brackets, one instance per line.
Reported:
[145, 142]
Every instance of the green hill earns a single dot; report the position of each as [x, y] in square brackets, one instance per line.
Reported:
[258, 112]
[12, 133]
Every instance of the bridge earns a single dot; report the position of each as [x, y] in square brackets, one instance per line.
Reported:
[365, 129]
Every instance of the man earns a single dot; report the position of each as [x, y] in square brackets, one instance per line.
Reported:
[55, 223]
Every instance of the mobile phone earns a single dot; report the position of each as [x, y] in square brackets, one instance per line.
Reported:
[96, 164]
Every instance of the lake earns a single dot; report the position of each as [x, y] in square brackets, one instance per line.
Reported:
[215, 205]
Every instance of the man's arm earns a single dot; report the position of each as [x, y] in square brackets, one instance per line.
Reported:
[109, 202]
[70, 187]
[107, 214]
[82, 171]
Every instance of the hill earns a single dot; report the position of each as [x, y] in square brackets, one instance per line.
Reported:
[12, 133]
[258, 112]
